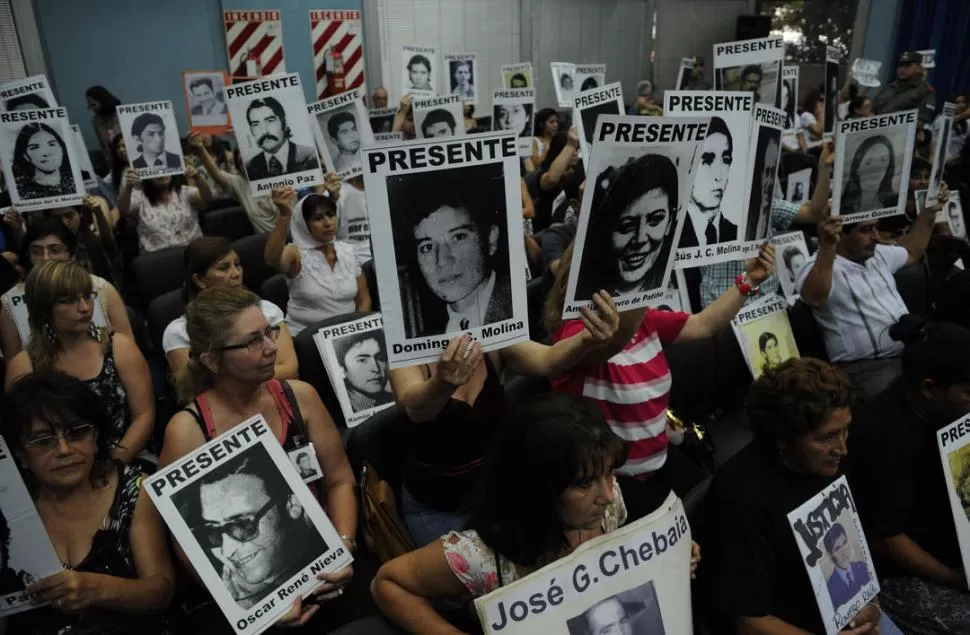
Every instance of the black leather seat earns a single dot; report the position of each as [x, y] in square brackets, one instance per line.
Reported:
[161, 312]
[159, 272]
[536, 291]
[373, 625]
[255, 269]
[913, 283]
[276, 291]
[371, 276]
[221, 203]
[229, 222]
[808, 335]
[381, 440]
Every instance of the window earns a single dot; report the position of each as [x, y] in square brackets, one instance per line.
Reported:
[11, 58]
[808, 26]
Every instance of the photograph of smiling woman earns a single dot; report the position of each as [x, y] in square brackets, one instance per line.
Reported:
[632, 227]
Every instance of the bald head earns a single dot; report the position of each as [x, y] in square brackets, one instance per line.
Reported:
[379, 98]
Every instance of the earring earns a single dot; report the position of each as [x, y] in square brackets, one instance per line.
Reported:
[95, 332]
[50, 334]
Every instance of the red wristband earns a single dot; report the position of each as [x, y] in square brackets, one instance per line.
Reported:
[744, 285]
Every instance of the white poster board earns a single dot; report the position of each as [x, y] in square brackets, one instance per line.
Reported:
[590, 77]
[151, 138]
[954, 216]
[941, 141]
[28, 554]
[833, 56]
[835, 553]
[30, 93]
[564, 81]
[866, 72]
[789, 97]
[513, 111]
[647, 589]
[763, 159]
[438, 117]
[684, 73]
[340, 130]
[446, 227]
[40, 163]
[88, 175]
[872, 164]
[751, 66]
[355, 356]
[929, 58]
[764, 334]
[719, 194]
[631, 219]
[275, 138]
[954, 444]
[205, 100]
[791, 253]
[517, 76]
[462, 69]
[245, 473]
[589, 105]
[419, 71]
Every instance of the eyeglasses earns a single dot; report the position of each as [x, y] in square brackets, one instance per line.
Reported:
[90, 296]
[256, 342]
[74, 434]
[242, 529]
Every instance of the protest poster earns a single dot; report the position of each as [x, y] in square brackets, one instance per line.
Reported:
[632, 580]
[463, 76]
[152, 138]
[419, 65]
[954, 444]
[254, 43]
[791, 252]
[280, 147]
[381, 119]
[929, 58]
[355, 356]
[244, 473]
[872, 164]
[719, 195]
[589, 105]
[830, 114]
[941, 141]
[339, 133]
[205, 101]
[30, 93]
[590, 76]
[438, 117]
[751, 65]
[26, 552]
[763, 159]
[449, 257]
[516, 76]
[836, 555]
[388, 137]
[631, 220]
[764, 334]
[513, 111]
[333, 35]
[564, 82]
[88, 175]
[954, 216]
[685, 73]
[789, 97]
[799, 186]
[866, 72]
[40, 163]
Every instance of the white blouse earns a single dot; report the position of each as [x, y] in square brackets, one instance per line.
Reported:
[320, 291]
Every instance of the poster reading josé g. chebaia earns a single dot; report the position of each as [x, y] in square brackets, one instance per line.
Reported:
[447, 236]
[631, 219]
[718, 199]
[752, 66]
[954, 444]
[249, 525]
[835, 553]
[633, 580]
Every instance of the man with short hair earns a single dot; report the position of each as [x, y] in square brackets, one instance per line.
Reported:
[379, 98]
[364, 361]
[706, 224]
[279, 156]
[697, 79]
[909, 91]
[463, 83]
[751, 77]
[208, 101]
[148, 129]
[438, 123]
[342, 128]
[847, 577]
[419, 73]
[608, 617]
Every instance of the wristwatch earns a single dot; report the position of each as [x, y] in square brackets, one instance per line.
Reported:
[743, 283]
[351, 540]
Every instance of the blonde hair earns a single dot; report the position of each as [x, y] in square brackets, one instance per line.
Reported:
[46, 284]
[557, 294]
[209, 320]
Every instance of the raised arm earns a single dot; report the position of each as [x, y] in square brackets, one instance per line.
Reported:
[275, 254]
[918, 237]
[560, 164]
[195, 140]
[363, 300]
[129, 181]
[818, 283]
[423, 391]
[401, 116]
[205, 194]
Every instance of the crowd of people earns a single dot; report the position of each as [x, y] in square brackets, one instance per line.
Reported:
[493, 488]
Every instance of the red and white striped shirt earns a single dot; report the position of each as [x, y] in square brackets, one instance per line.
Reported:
[632, 388]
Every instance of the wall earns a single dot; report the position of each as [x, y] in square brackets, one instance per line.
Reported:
[880, 36]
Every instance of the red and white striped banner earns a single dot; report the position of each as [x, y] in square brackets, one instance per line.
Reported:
[254, 42]
[341, 32]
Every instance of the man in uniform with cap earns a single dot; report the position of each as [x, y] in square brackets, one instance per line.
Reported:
[697, 80]
[909, 91]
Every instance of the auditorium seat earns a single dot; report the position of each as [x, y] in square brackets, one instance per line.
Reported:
[381, 440]
[230, 222]
[255, 270]
[275, 290]
[161, 312]
[139, 331]
[913, 283]
[536, 291]
[312, 369]
[371, 276]
[158, 272]
[522, 387]
[702, 388]
[372, 625]
[808, 335]
[221, 203]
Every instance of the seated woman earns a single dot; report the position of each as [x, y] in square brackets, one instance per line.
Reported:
[230, 377]
[93, 228]
[321, 272]
[61, 299]
[210, 262]
[456, 406]
[633, 362]
[899, 482]
[561, 158]
[51, 239]
[165, 209]
[754, 578]
[118, 575]
[554, 444]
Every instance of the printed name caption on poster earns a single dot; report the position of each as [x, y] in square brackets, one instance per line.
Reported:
[484, 332]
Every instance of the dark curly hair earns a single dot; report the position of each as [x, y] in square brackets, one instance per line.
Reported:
[794, 398]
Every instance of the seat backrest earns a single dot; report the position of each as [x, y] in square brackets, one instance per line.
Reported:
[139, 331]
[221, 203]
[521, 387]
[230, 222]
[371, 625]
[371, 276]
[536, 291]
[275, 290]
[913, 283]
[312, 369]
[161, 312]
[808, 335]
[255, 269]
[708, 376]
[159, 272]
[382, 441]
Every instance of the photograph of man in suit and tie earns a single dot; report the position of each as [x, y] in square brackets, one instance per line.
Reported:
[706, 223]
[848, 577]
[148, 130]
[278, 153]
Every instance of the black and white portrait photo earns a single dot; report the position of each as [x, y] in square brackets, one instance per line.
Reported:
[463, 76]
[39, 159]
[751, 66]
[206, 97]
[789, 96]
[306, 463]
[589, 76]
[940, 144]
[564, 82]
[362, 358]
[684, 73]
[764, 172]
[381, 120]
[517, 75]
[513, 111]
[341, 130]
[253, 528]
[279, 153]
[764, 80]
[874, 168]
[954, 216]
[791, 253]
[438, 117]
[148, 130]
[591, 114]
[152, 138]
[627, 613]
[832, 57]
[420, 66]
[30, 93]
[799, 186]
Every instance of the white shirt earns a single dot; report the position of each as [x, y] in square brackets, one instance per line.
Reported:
[806, 120]
[261, 210]
[319, 291]
[863, 303]
[353, 223]
[176, 336]
[843, 110]
[476, 315]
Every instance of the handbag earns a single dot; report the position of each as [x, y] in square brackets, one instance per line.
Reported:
[697, 445]
[384, 532]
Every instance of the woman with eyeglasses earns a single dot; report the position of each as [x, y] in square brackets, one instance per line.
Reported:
[63, 336]
[229, 378]
[118, 576]
[51, 239]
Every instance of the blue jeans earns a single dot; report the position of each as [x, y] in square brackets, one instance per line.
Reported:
[887, 627]
[425, 524]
